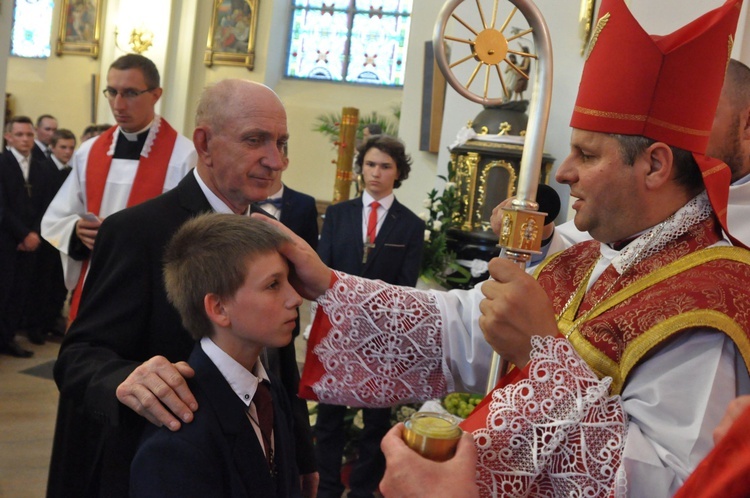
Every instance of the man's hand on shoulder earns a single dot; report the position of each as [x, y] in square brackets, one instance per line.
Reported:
[157, 389]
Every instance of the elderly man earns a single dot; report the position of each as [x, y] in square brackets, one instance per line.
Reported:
[628, 347]
[136, 160]
[124, 355]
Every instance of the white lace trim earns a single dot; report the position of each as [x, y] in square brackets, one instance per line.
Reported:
[152, 132]
[556, 434]
[384, 347]
[660, 236]
[149, 138]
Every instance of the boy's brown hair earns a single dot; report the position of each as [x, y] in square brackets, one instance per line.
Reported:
[209, 255]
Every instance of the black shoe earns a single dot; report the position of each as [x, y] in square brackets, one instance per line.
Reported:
[35, 336]
[12, 348]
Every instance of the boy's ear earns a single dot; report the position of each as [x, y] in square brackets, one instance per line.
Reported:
[215, 310]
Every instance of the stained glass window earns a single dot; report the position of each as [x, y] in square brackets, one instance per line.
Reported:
[354, 41]
[32, 27]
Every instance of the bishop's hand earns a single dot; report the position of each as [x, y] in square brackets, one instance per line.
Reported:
[514, 309]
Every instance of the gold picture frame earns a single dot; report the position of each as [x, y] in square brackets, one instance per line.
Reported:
[80, 27]
[231, 36]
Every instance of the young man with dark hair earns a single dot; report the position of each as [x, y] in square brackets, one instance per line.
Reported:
[387, 245]
[46, 126]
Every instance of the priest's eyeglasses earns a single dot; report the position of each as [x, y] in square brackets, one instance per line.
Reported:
[127, 94]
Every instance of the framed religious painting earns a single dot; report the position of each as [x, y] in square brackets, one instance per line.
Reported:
[80, 27]
[231, 36]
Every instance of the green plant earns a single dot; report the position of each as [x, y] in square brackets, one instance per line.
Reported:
[329, 124]
[438, 261]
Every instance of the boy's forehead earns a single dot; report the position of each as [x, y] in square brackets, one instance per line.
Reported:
[259, 260]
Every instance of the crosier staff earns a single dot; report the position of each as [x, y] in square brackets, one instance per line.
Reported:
[521, 234]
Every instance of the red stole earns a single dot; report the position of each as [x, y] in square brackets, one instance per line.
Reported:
[148, 182]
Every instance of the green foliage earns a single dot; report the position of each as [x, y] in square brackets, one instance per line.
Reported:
[438, 262]
[330, 124]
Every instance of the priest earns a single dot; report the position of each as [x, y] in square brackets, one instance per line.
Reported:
[137, 159]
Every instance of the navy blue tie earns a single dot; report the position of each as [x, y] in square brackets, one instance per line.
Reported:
[276, 202]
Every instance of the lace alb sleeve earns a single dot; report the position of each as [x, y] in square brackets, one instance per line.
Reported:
[384, 345]
[556, 433]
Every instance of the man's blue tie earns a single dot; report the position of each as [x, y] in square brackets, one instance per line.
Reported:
[276, 202]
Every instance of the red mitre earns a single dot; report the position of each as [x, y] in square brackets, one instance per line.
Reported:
[662, 87]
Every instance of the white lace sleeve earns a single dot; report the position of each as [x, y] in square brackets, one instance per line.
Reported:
[384, 346]
[555, 434]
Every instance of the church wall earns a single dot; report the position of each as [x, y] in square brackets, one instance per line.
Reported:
[61, 85]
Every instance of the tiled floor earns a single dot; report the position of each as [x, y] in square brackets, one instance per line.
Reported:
[28, 405]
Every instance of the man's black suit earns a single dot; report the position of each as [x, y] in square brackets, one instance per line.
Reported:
[395, 259]
[22, 213]
[49, 281]
[300, 215]
[218, 454]
[125, 319]
[38, 152]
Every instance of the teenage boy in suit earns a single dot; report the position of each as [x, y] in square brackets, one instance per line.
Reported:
[388, 240]
[229, 283]
[294, 209]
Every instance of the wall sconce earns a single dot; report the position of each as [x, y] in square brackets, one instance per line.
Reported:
[140, 40]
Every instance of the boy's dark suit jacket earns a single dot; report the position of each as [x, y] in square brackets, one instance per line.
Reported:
[218, 454]
[397, 254]
[125, 319]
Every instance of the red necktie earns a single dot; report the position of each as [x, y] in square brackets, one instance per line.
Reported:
[372, 223]
[264, 410]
